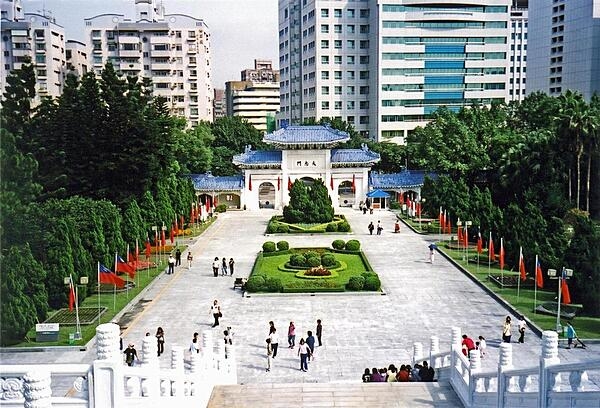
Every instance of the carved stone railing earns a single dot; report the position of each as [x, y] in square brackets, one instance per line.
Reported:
[547, 385]
[108, 382]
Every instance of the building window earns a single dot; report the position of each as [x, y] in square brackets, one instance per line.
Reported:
[337, 105]
[324, 59]
[364, 59]
[350, 90]
[364, 120]
[337, 59]
[350, 29]
[324, 90]
[364, 104]
[337, 13]
[337, 90]
[349, 44]
[350, 59]
[325, 105]
[324, 12]
[364, 44]
[337, 75]
[337, 28]
[364, 29]
[325, 28]
[350, 105]
[324, 74]
[350, 75]
[324, 44]
[337, 44]
[351, 13]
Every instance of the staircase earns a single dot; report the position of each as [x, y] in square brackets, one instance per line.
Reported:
[374, 395]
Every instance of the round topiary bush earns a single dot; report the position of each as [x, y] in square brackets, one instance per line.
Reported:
[283, 245]
[338, 244]
[343, 227]
[327, 260]
[332, 227]
[255, 283]
[269, 246]
[352, 245]
[313, 261]
[272, 228]
[356, 283]
[372, 283]
[283, 228]
[298, 260]
[312, 254]
[221, 208]
[273, 285]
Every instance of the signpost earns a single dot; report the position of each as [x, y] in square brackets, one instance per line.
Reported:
[45, 332]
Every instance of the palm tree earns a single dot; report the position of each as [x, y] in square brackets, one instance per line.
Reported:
[574, 123]
[592, 142]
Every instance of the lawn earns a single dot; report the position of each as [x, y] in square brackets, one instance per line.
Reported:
[278, 225]
[587, 327]
[350, 264]
[108, 302]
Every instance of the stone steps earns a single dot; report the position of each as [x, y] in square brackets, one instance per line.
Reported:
[335, 395]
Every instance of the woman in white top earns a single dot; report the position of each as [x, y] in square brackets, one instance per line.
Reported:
[303, 352]
[195, 345]
[215, 309]
[482, 346]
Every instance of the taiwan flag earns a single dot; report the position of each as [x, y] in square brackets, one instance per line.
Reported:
[172, 233]
[539, 277]
[106, 276]
[148, 248]
[124, 267]
[289, 183]
[163, 240]
[502, 253]
[278, 183]
[491, 254]
[441, 221]
[522, 271]
[479, 243]
[448, 226]
[564, 289]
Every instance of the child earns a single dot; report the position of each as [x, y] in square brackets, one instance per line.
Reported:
[482, 346]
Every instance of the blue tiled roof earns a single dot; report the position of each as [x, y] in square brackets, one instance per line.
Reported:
[354, 156]
[258, 157]
[306, 135]
[208, 182]
[404, 179]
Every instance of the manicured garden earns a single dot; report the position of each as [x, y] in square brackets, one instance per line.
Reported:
[277, 224]
[343, 267]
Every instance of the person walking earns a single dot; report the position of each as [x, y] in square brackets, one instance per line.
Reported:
[571, 334]
[224, 267]
[195, 345]
[482, 346]
[506, 330]
[310, 342]
[371, 228]
[178, 257]
[522, 326]
[269, 355]
[190, 258]
[231, 266]
[130, 354]
[379, 228]
[303, 352]
[171, 262]
[160, 340]
[215, 310]
[274, 340]
[215, 265]
[291, 335]
[431, 252]
[319, 332]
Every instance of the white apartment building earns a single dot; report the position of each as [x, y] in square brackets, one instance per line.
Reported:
[77, 57]
[256, 96]
[325, 61]
[171, 49]
[564, 46]
[37, 37]
[385, 66]
[518, 50]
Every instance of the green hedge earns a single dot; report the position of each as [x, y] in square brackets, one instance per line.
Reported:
[338, 244]
[283, 246]
[313, 290]
[221, 208]
[353, 245]
[269, 246]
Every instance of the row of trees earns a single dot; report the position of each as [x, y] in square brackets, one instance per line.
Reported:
[86, 174]
[517, 171]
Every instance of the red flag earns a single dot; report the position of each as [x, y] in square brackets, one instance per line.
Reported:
[278, 183]
[71, 294]
[401, 198]
[181, 224]
[466, 237]
[418, 209]
[460, 235]
[250, 182]
[193, 214]
[207, 204]
[289, 183]
[172, 233]
[353, 183]
[522, 265]
[448, 226]
[408, 203]
[215, 202]
[441, 221]
[125, 267]
[175, 227]
[491, 254]
[163, 240]
[148, 248]
[501, 253]
[331, 182]
[105, 275]
[539, 277]
[479, 243]
[566, 296]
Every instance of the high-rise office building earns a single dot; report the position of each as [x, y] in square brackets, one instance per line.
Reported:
[36, 37]
[564, 46]
[518, 50]
[385, 66]
[256, 96]
[171, 49]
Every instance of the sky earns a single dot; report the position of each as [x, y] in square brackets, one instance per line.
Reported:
[241, 30]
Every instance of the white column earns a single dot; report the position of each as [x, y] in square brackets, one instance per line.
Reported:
[109, 387]
[108, 342]
[36, 389]
[417, 352]
[548, 358]
[434, 348]
[505, 363]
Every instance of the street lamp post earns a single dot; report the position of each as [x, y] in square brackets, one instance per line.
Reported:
[459, 226]
[467, 225]
[565, 274]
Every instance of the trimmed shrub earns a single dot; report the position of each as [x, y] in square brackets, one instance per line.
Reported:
[352, 245]
[269, 246]
[338, 244]
[327, 260]
[372, 283]
[356, 283]
[312, 254]
[221, 208]
[272, 227]
[255, 283]
[343, 227]
[298, 260]
[313, 261]
[283, 228]
[332, 227]
[273, 285]
[395, 205]
[283, 246]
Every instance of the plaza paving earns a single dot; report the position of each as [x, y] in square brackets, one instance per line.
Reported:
[421, 300]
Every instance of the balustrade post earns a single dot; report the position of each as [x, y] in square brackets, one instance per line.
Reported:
[207, 350]
[505, 363]
[177, 364]
[434, 348]
[417, 353]
[221, 356]
[150, 365]
[455, 347]
[549, 357]
[475, 385]
[108, 375]
[36, 389]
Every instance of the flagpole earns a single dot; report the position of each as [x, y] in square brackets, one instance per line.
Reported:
[126, 283]
[478, 246]
[137, 259]
[98, 292]
[115, 286]
[78, 334]
[519, 277]
[502, 269]
[490, 258]
[535, 285]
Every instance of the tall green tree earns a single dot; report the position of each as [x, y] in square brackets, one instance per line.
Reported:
[17, 99]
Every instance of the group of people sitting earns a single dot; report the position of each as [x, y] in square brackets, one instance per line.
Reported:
[406, 373]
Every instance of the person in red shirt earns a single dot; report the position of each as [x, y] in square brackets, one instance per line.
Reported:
[467, 345]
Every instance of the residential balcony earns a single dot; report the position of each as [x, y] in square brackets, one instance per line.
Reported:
[128, 39]
[160, 53]
[130, 66]
[130, 53]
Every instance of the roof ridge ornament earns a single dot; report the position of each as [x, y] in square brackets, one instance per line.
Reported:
[364, 147]
[247, 149]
